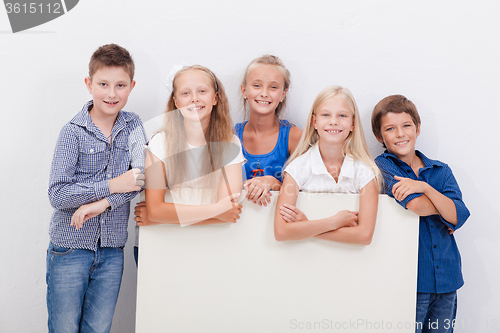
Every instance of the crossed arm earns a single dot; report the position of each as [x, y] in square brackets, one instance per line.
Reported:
[258, 188]
[431, 202]
[130, 181]
[92, 198]
[157, 211]
[345, 226]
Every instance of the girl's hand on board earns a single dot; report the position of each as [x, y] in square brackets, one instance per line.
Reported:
[141, 215]
[346, 218]
[292, 214]
[231, 208]
[88, 211]
[257, 190]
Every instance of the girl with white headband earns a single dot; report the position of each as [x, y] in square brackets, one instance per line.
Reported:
[193, 166]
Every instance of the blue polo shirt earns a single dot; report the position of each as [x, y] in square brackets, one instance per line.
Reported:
[439, 263]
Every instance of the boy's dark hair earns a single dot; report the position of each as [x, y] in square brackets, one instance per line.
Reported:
[396, 104]
[111, 55]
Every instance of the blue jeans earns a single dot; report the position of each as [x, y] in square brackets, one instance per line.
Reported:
[436, 312]
[82, 288]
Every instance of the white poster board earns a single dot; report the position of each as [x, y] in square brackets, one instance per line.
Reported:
[237, 278]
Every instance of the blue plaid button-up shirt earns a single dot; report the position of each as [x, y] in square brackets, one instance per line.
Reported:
[439, 262]
[84, 162]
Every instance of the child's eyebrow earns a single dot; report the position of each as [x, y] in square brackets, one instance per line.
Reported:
[331, 112]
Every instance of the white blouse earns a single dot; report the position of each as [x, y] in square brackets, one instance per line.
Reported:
[310, 173]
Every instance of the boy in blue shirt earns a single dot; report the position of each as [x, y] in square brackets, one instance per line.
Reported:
[97, 169]
[429, 189]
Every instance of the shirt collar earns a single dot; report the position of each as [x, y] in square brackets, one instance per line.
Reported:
[319, 168]
[83, 119]
[428, 163]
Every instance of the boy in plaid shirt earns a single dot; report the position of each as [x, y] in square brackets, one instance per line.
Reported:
[97, 169]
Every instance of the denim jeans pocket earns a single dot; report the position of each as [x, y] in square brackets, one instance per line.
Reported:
[59, 250]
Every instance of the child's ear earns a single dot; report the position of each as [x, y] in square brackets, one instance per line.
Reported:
[380, 139]
[132, 85]
[418, 130]
[175, 102]
[243, 91]
[313, 121]
[88, 84]
[216, 99]
[283, 95]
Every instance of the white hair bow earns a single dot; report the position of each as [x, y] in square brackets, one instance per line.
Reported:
[170, 77]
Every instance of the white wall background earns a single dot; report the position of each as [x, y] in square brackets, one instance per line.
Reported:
[442, 55]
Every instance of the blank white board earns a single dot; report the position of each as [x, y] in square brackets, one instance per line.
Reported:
[238, 278]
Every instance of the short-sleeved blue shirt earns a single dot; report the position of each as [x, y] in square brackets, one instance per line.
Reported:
[270, 164]
[439, 263]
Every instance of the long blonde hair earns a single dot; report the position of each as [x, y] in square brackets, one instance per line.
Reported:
[271, 60]
[354, 145]
[220, 130]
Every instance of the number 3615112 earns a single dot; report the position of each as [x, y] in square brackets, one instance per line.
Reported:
[33, 8]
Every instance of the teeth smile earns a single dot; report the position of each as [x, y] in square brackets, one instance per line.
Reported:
[111, 103]
[401, 143]
[263, 102]
[196, 109]
[333, 131]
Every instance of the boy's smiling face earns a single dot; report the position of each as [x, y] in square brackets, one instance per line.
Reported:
[110, 88]
[399, 134]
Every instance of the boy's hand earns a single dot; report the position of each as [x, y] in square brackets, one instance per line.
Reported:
[141, 215]
[258, 190]
[88, 211]
[130, 181]
[292, 214]
[231, 210]
[406, 186]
